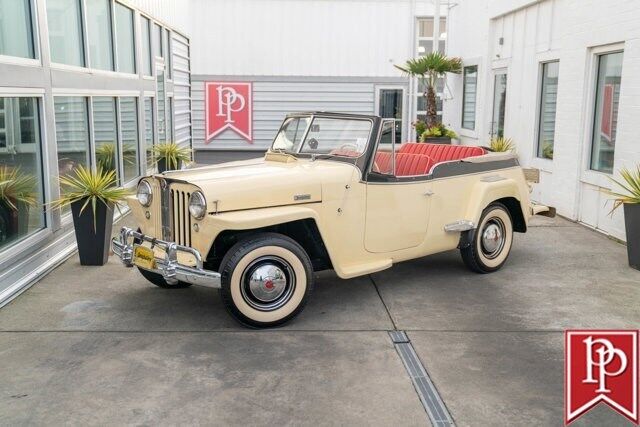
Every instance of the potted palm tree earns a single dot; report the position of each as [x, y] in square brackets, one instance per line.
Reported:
[427, 69]
[92, 196]
[170, 156]
[17, 195]
[630, 199]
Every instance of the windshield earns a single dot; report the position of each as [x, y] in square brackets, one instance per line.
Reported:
[331, 136]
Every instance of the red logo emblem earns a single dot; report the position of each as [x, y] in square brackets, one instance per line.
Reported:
[228, 105]
[601, 366]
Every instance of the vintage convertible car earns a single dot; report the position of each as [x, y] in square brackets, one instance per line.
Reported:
[334, 192]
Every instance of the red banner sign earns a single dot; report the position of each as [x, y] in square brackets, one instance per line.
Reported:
[606, 126]
[228, 105]
[601, 366]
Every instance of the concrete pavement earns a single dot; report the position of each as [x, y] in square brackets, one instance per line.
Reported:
[102, 346]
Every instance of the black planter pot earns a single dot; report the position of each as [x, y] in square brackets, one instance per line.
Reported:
[162, 165]
[13, 223]
[438, 140]
[632, 224]
[93, 243]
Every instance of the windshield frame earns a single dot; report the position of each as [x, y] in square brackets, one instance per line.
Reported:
[371, 138]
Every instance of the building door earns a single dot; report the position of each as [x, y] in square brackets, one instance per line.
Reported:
[390, 105]
[499, 103]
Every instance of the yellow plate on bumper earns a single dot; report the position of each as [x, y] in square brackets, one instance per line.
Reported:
[143, 257]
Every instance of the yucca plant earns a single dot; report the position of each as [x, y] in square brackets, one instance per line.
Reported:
[630, 184]
[106, 155]
[502, 145]
[629, 197]
[83, 188]
[170, 155]
[17, 187]
[428, 69]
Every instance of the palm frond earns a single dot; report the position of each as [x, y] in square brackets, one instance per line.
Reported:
[92, 187]
[17, 187]
[630, 183]
[502, 145]
[172, 154]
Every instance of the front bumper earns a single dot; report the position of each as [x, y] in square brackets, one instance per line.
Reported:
[168, 267]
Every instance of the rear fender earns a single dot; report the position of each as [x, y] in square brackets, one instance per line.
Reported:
[484, 193]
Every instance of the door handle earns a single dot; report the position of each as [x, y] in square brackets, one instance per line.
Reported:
[429, 193]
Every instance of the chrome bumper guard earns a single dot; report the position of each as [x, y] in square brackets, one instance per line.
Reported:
[168, 267]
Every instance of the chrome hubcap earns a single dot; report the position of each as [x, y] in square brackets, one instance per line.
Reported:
[267, 283]
[493, 238]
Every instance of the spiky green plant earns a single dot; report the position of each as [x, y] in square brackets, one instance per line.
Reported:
[547, 150]
[106, 155]
[502, 145]
[630, 183]
[172, 154]
[92, 187]
[428, 69]
[17, 187]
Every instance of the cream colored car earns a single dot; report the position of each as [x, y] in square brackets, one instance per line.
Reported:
[334, 192]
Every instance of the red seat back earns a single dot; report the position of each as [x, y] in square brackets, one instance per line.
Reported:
[407, 164]
[442, 152]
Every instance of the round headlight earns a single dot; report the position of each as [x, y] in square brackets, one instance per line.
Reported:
[145, 195]
[197, 205]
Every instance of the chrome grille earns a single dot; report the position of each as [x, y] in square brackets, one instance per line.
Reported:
[181, 219]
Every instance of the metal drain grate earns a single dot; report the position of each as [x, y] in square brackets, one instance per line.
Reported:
[431, 400]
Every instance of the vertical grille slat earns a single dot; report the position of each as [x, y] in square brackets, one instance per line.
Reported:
[180, 221]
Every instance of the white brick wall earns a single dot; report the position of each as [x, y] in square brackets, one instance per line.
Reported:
[571, 31]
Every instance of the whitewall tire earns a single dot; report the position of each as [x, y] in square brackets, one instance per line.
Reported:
[488, 246]
[266, 280]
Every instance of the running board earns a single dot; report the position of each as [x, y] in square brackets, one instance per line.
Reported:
[461, 225]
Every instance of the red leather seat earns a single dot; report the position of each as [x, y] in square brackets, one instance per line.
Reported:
[442, 152]
[407, 164]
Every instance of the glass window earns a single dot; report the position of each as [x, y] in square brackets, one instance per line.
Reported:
[385, 154]
[547, 113]
[105, 132]
[170, 119]
[469, 90]
[167, 49]
[606, 111]
[16, 31]
[291, 134]
[425, 27]
[146, 46]
[390, 106]
[162, 121]
[99, 29]
[499, 104]
[21, 190]
[344, 137]
[64, 19]
[148, 131]
[129, 126]
[125, 39]
[157, 40]
[72, 134]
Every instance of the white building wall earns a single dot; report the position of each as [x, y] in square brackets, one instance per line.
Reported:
[303, 37]
[571, 31]
[174, 13]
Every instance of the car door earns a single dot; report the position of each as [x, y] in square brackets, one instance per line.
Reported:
[397, 208]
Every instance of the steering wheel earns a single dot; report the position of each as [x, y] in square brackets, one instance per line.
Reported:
[349, 147]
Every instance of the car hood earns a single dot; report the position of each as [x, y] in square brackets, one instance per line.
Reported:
[260, 183]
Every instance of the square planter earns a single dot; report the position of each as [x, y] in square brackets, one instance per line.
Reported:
[632, 225]
[93, 242]
[438, 140]
[163, 167]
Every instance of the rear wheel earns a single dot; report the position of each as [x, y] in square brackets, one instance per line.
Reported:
[266, 280]
[490, 243]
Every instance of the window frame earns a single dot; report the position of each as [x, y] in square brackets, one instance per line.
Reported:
[475, 97]
[39, 236]
[588, 175]
[134, 34]
[35, 41]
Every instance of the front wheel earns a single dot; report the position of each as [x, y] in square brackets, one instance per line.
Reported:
[266, 280]
[488, 246]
